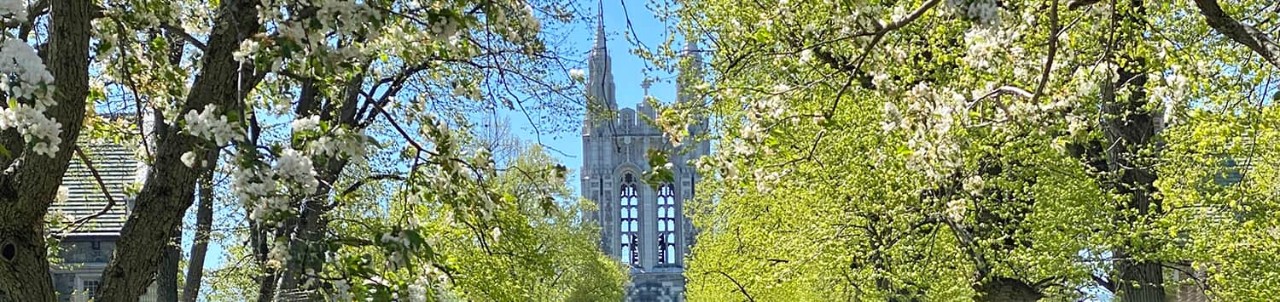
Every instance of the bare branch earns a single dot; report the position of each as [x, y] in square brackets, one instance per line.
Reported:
[739, 285]
[185, 36]
[102, 185]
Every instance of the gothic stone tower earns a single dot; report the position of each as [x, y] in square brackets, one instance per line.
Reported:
[641, 225]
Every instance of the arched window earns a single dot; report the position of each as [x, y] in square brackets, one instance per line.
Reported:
[629, 221]
[667, 224]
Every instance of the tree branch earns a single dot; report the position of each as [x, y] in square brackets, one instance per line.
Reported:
[358, 184]
[739, 285]
[1242, 33]
[185, 36]
[102, 185]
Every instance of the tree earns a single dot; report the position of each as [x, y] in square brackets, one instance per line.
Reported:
[1007, 151]
[280, 92]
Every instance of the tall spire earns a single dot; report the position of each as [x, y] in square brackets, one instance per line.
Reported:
[600, 40]
[600, 89]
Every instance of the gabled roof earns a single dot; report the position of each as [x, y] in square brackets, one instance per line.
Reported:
[117, 166]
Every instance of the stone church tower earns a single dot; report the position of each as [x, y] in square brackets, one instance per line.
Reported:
[642, 226]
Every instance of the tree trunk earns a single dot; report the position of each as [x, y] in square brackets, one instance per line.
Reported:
[29, 181]
[200, 245]
[307, 250]
[170, 187]
[1140, 281]
[167, 275]
[1001, 289]
[1129, 126]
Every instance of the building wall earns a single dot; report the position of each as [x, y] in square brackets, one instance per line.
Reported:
[614, 149]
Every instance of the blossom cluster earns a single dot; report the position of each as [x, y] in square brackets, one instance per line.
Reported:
[13, 10]
[928, 120]
[984, 12]
[270, 191]
[26, 77]
[210, 125]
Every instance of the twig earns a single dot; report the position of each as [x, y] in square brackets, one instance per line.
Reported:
[739, 285]
[111, 201]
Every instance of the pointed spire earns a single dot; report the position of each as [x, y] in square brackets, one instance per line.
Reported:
[600, 88]
[600, 39]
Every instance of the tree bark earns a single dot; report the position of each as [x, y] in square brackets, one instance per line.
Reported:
[167, 275]
[200, 244]
[29, 181]
[1001, 289]
[170, 187]
[1130, 127]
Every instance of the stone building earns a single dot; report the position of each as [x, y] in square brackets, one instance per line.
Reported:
[642, 225]
[83, 253]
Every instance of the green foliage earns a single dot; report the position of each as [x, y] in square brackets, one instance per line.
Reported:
[956, 150]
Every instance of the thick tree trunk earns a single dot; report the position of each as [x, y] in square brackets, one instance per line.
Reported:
[1140, 281]
[29, 181]
[1129, 127]
[200, 245]
[1001, 289]
[170, 187]
[167, 275]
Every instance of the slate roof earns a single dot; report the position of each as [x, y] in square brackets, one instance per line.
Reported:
[117, 166]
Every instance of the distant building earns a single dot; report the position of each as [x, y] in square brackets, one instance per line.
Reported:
[643, 226]
[85, 251]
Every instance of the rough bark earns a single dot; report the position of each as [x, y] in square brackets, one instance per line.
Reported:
[167, 274]
[170, 187]
[29, 181]
[1001, 289]
[200, 245]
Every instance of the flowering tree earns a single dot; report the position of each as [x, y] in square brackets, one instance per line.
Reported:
[279, 94]
[1001, 150]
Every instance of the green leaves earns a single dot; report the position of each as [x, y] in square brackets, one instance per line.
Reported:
[863, 203]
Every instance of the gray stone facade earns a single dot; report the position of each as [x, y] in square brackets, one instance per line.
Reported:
[642, 225]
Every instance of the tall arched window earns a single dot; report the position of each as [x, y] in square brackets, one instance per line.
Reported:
[667, 224]
[629, 221]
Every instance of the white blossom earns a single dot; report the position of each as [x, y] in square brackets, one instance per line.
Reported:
[209, 125]
[247, 49]
[956, 209]
[974, 184]
[25, 76]
[295, 166]
[308, 123]
[63, 194]
[892, 117]
[577, 74]
[189, 159]
[984, 45]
